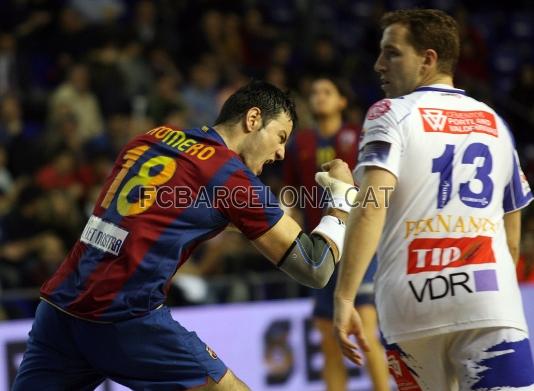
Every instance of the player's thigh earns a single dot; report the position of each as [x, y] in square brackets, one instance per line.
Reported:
[153, 352]
[421, 365]
[493, 358]
[229, 382]
[52, 361]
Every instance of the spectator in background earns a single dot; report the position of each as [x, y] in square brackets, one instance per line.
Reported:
[7, 185]
[200, 94]
[12, 76]
[62, 132]
[525, 266]
[164, 98]
[258, 37]
[134, 69]
[208, 35]
[331, 138]
[70, 39]
[11, 123]
[301, 93]
[117, 133]
[176, 119]
[145, 24]
[472, 70]
[522, 103]
[99, 11]
[62, 215]
[61, 173]
[232, 45]
[276, 75]
[523, 89]
[19, 136]
[28, 246]
[107, 79]
[75, 93]
[161, 63]
[233, 80]
[324, 59]
[283, 54]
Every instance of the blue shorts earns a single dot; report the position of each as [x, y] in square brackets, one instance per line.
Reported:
[324, 298]
[150, 352]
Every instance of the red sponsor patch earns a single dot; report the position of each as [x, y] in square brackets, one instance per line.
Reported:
[458, 122]
[400, 372]
[379, 109]
[434, 255]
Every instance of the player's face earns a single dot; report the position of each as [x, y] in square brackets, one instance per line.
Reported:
[325, 99]
[267, 144]
[399, 65]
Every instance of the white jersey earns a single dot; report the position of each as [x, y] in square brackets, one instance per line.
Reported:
[444, 263]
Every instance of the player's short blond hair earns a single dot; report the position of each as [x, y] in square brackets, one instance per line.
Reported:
[429, 29]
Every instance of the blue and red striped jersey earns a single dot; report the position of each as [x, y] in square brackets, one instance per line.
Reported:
[169, 190]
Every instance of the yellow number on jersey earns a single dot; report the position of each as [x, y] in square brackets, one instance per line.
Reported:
[143, 179]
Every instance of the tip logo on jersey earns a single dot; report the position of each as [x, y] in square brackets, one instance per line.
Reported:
[434, 255]
[458, 122]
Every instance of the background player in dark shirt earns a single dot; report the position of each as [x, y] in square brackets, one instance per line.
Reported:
[102, 313]
[309, 149]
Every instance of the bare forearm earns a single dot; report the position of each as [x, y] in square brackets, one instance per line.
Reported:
[364, 227]
[512, 226]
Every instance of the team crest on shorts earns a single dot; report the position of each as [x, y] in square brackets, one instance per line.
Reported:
[211, 352]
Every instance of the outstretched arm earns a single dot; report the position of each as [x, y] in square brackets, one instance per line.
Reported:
[309, 259]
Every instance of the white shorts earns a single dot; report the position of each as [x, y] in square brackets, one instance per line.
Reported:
[487, 359]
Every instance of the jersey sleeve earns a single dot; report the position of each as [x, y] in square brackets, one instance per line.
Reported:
[252, 206]
[381, 143]
[517, 193]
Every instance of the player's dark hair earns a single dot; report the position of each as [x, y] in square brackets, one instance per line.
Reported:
[429, 29]
[269, 99]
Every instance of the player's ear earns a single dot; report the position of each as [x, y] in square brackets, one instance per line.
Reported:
[430, 59]
[253, 120]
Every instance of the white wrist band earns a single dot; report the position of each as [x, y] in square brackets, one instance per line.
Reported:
[334, 229]
[343, 195]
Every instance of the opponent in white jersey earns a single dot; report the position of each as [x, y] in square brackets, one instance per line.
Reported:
[447, 189]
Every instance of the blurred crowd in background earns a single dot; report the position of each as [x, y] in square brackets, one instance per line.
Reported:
[79, 78]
